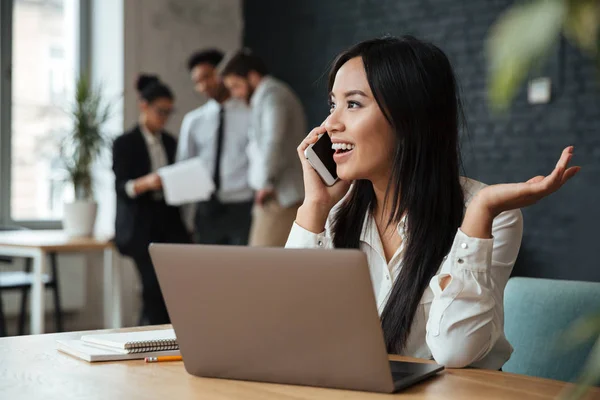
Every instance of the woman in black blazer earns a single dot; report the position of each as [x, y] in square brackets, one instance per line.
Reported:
[142, 214]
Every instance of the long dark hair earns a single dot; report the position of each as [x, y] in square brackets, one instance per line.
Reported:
[414, 86]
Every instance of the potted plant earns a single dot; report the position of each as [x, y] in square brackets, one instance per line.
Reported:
[519, 42]
[79, 149]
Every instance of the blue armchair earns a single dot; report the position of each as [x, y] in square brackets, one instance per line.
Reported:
[537, 312]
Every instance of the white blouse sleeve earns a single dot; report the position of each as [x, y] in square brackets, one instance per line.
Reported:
[186, 145]
[466, 318]
[301, 238]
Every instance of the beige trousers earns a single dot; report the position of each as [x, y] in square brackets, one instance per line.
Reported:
[271, 224]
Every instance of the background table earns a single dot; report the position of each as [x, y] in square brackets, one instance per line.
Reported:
[31, 368]
[39, 245]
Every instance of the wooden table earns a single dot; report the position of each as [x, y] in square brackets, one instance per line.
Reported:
[39, 245]
[31, 368]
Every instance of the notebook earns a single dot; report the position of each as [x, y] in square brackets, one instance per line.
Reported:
[134, 342]
[79, 349]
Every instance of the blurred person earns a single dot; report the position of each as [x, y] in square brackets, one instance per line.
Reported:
[277, 124]
[142, 214]
[217, 133]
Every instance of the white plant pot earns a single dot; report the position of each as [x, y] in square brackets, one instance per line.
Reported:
[79, 218]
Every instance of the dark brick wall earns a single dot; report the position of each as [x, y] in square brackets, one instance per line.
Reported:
[299, 39]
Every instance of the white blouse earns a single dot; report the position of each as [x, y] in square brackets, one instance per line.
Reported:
[462, 325]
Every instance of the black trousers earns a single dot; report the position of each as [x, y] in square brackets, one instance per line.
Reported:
[223, 223]
[154, 310]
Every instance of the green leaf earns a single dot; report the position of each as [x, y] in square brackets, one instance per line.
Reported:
[582, 24]
[520, 39]
[582, 331]
[85, 142]
[589, 377]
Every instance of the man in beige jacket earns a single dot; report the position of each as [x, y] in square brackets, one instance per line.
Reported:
[277, 125]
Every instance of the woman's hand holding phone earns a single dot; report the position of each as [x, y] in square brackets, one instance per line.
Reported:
[319, 198]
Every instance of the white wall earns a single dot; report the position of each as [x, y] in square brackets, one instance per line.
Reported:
[160, 35]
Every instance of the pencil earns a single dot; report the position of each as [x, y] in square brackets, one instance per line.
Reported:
[163, 358]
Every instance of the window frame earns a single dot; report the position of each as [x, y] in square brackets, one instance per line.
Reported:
[6, 42]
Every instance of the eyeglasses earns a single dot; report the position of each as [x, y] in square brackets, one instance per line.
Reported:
[164, 112]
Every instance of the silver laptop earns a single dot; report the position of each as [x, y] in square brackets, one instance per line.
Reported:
[302, 317]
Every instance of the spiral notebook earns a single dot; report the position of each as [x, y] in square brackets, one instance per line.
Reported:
[89, 353]
[134, 342]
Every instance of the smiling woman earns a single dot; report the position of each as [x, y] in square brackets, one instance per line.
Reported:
[369, 127]
[440, 246]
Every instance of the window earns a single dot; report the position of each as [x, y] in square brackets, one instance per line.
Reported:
[59, 76]
[43, 60]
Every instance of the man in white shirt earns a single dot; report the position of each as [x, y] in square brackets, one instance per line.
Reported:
[217, 132]
[277, 125]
